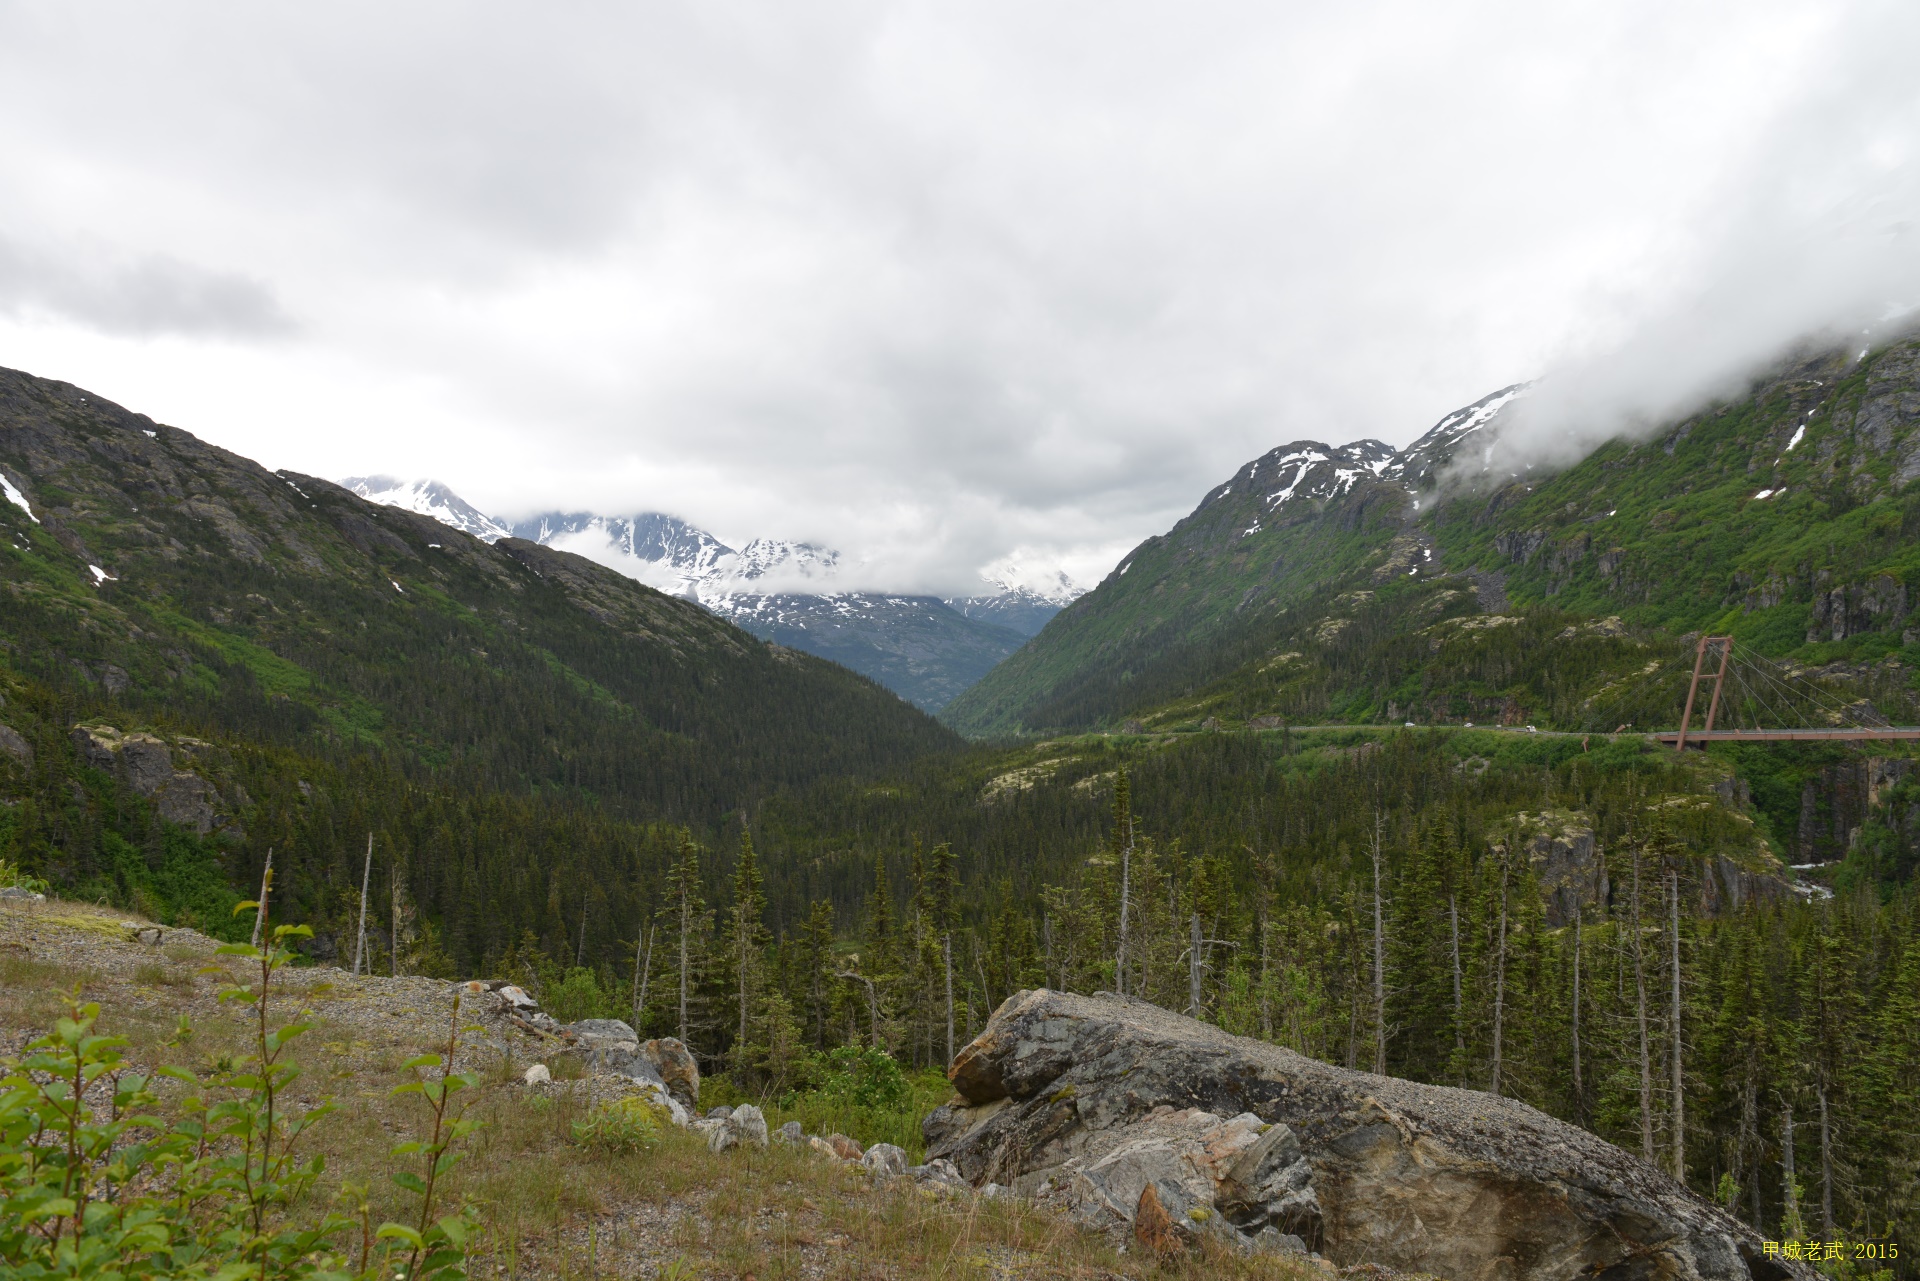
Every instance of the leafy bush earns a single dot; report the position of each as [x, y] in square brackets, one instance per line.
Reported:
[855, 1091]
[576, 996]
[863, 1078]
[110, 1190]
[629, 1125]
[12, 877]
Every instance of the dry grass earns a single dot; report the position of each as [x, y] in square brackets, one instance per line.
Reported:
[554, 1210]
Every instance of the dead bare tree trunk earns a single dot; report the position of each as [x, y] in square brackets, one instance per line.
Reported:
[642, 977]
[1789, 1193]
[1500, 979]
[1193, 967]
[1579, 1086]
[394, 902]
[1266, 979]
[946, 963]
[873, 1005]
[1826, 1163]
[1379, 962]
[1126, 870]
[360, 939]
[260, 909]
[1640, 1016]
[580, 951]
[686, 927]
[1679, 1078]
[1459, 1010]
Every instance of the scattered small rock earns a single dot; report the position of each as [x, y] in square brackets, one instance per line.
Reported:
[884, 1160]
[537, 1075]
[790, 1133]
[939, 1176]
[845, 1148]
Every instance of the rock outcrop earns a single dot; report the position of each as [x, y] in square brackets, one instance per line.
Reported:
[1092, 1103]
[146, 763]
[1560, 847]
[612, 1047]
[13, 744]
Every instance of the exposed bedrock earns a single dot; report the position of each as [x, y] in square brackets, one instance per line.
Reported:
[1084, 1101]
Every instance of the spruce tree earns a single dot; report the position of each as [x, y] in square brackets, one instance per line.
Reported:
[746, 941]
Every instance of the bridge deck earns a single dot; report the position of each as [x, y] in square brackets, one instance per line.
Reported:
[1792, 735]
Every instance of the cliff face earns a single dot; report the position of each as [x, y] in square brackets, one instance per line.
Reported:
[1086, 1101]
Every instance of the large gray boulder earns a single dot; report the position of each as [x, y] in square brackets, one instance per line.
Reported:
[1089, 1103]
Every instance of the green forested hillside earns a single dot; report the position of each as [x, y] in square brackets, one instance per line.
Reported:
[317, 666]
[1191, 601]
[1786, 516]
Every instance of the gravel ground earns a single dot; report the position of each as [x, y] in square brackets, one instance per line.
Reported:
[551, 1209]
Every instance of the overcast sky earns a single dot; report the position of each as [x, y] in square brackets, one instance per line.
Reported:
[936, 284]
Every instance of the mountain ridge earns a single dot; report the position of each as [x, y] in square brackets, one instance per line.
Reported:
[1265, 537]
[287, 603]
[925, 648]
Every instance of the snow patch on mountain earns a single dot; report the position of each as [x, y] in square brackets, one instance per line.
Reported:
[1310, 470]
[765, 582]
[429, 498]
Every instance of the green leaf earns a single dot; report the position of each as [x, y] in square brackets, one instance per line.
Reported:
[51, 1206]
[399, 1232]
[410, 1181]
[422, 1060]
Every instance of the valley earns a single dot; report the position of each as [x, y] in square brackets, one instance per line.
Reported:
[1354, 761]
[927, 649]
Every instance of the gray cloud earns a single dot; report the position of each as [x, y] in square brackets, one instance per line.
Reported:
[1813, 240]
[149, 295]
[934, 284]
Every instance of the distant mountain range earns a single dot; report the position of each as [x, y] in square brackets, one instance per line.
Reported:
[927, 649]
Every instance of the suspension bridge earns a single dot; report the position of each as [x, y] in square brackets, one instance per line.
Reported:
[1763, 690]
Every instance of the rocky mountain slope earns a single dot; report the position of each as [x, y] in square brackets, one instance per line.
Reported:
[155, 575]
[429, 498]
[1290, 521]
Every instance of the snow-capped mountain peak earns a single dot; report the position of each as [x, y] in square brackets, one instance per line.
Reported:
[429, 498]
[1420, 463]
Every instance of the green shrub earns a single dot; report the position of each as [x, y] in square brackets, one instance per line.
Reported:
[12, 877]
[629, 1125]
[862, 1078]
[576, 996]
